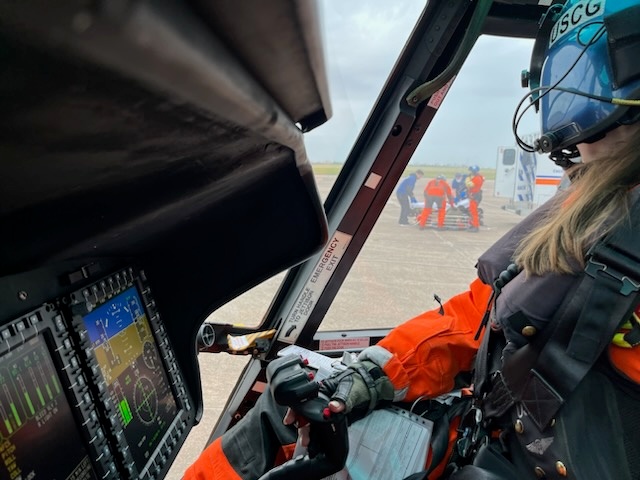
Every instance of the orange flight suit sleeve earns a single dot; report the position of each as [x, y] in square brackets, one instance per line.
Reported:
[212, 464]
[477, 181]
[423, 355]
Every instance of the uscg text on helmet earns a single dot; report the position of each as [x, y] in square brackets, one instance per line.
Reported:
[580, 13]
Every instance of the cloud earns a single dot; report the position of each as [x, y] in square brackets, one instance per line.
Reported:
[363, 39]
[476, 116]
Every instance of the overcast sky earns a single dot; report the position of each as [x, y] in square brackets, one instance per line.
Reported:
[362, 41]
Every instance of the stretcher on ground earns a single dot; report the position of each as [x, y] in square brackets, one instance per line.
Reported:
[458, 217]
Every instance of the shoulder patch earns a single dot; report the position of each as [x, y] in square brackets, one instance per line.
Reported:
[539, 445]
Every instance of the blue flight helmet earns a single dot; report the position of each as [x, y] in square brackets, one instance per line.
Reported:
[474, 169]
[585, 73]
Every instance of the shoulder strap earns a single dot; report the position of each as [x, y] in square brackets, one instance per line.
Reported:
[543, 374]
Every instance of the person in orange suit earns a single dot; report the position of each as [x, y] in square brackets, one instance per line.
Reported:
[474, 182]
[437, 191]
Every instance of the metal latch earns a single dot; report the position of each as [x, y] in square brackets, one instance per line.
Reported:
[628, 284]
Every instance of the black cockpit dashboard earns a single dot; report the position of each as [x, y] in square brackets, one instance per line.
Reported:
[90, 382]
[150, 155]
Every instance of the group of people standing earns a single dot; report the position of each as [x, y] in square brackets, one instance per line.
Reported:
[438, 192]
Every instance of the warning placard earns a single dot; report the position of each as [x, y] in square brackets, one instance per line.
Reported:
[344, 343]
[304, 304]
[436, 99]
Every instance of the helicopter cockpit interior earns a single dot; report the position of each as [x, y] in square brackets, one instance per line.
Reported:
[153, 168]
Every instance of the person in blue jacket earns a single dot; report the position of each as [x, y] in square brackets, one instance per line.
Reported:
[458, 186]
[404, 192]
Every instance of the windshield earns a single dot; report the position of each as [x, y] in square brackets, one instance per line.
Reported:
[397, 265]
[401, 268]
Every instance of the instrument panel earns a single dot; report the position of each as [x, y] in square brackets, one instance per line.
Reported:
[90, 387]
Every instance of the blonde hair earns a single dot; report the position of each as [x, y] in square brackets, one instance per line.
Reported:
[596, 201]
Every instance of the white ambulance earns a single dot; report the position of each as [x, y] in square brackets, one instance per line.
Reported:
[525, 179]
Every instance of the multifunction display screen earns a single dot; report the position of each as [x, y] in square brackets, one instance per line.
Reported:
[132, 368]
[39, 437]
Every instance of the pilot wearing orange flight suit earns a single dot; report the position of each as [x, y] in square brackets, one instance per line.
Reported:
[437, 191]
[421, 358]
[474, 182]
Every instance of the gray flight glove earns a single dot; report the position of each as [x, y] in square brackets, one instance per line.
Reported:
[362, 387]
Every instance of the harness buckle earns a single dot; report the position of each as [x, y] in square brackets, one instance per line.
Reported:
[629, 285]
[472, 435]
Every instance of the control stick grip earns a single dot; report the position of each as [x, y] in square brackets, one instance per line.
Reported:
[292, 386]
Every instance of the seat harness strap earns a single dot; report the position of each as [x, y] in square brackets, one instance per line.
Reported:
[542, 374]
